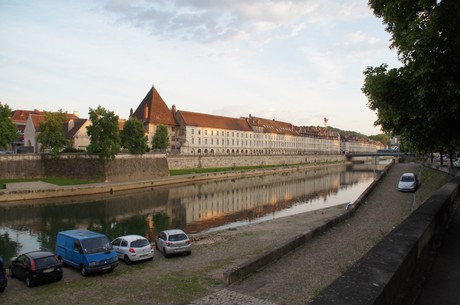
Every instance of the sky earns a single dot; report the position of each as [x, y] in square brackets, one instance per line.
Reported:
[296, 61]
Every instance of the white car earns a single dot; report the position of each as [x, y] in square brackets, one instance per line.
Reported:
[133, 248]
[457, 162]
[408, 182]
[173, 241]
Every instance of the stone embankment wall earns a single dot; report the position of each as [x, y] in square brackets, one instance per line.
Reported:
[190, 162]
[128, 167]
[82, 166]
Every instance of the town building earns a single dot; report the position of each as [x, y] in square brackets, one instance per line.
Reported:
[193, 133]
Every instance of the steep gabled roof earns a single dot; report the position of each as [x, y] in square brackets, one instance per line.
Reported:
[153, 110]
[37, 119]
[77, 125]
[272, 126]
[213, 121]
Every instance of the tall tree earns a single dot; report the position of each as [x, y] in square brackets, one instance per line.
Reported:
[51, 134]
[104, 133]
[8, 131]
[160, 139]
[419, 101]
[133, 136]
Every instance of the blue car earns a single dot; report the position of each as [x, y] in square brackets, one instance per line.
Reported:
[3, 278]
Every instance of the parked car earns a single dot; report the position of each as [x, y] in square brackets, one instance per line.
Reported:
[36, 267]
[408, 182]
[3, 278]
[457, 162]
[88, 251]
[132, 248]
[173, 241]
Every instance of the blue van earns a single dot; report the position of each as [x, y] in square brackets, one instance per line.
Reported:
[88, 251]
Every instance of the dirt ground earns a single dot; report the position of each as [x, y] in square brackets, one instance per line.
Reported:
[292, 280]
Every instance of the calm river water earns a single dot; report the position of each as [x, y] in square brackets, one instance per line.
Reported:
[195, 208]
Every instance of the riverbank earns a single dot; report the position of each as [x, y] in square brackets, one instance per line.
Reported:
[22, 192]
[293, 279]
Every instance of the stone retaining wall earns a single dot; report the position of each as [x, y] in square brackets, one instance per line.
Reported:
[190, 162]
[125, 167]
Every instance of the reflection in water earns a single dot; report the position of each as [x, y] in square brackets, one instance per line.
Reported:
[194, 208]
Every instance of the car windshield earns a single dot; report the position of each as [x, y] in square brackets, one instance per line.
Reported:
[139, 243]
[95, 245]
[407, 179]
[177, 237]
[45, 262]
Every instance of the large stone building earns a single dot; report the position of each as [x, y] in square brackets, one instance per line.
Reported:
[199, 133]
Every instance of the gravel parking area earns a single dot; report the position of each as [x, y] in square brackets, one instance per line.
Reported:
[198, 278]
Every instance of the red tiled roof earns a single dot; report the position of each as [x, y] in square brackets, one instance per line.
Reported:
[38, 118]
[272, 126]
[153, 109]
[213, 121]
[20, 116]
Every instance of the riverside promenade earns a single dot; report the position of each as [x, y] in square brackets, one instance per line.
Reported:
[295, 278]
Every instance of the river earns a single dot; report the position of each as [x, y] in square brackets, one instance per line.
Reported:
[195, 208]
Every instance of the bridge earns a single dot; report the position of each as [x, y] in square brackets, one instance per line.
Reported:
[374, 155]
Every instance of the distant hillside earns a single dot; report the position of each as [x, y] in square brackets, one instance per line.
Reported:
[382, 138]
[344, 133]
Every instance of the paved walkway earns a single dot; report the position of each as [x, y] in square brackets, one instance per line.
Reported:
[228, 297]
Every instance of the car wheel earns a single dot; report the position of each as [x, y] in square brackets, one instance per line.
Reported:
[83, 270]
[165, 253]
[11, 273]
[2, 289]
[28, 281]
[189, 252]
[127, 260]
[156, 246]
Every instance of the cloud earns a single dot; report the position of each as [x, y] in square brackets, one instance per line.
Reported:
[208, 21]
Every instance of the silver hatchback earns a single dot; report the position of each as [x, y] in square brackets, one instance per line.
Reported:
[132, 248]
[173, 241]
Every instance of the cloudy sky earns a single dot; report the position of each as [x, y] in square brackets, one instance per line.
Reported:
[297, 61]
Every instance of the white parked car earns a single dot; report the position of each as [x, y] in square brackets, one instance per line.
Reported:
[457, 162]
[173, 241]
[133, 248]
[408, 182]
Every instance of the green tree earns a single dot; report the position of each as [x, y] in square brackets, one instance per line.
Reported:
[8, 131]
[160, 139]
[382, 138]
[133, 136]
[420, 101]
[51, 133]
[104, 133]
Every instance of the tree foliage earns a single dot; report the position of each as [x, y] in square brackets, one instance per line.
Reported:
[51, 134]
[420, 101]
[133, 136]
[160, 139]
[382, 138]
[8, 131]
[104, 133]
